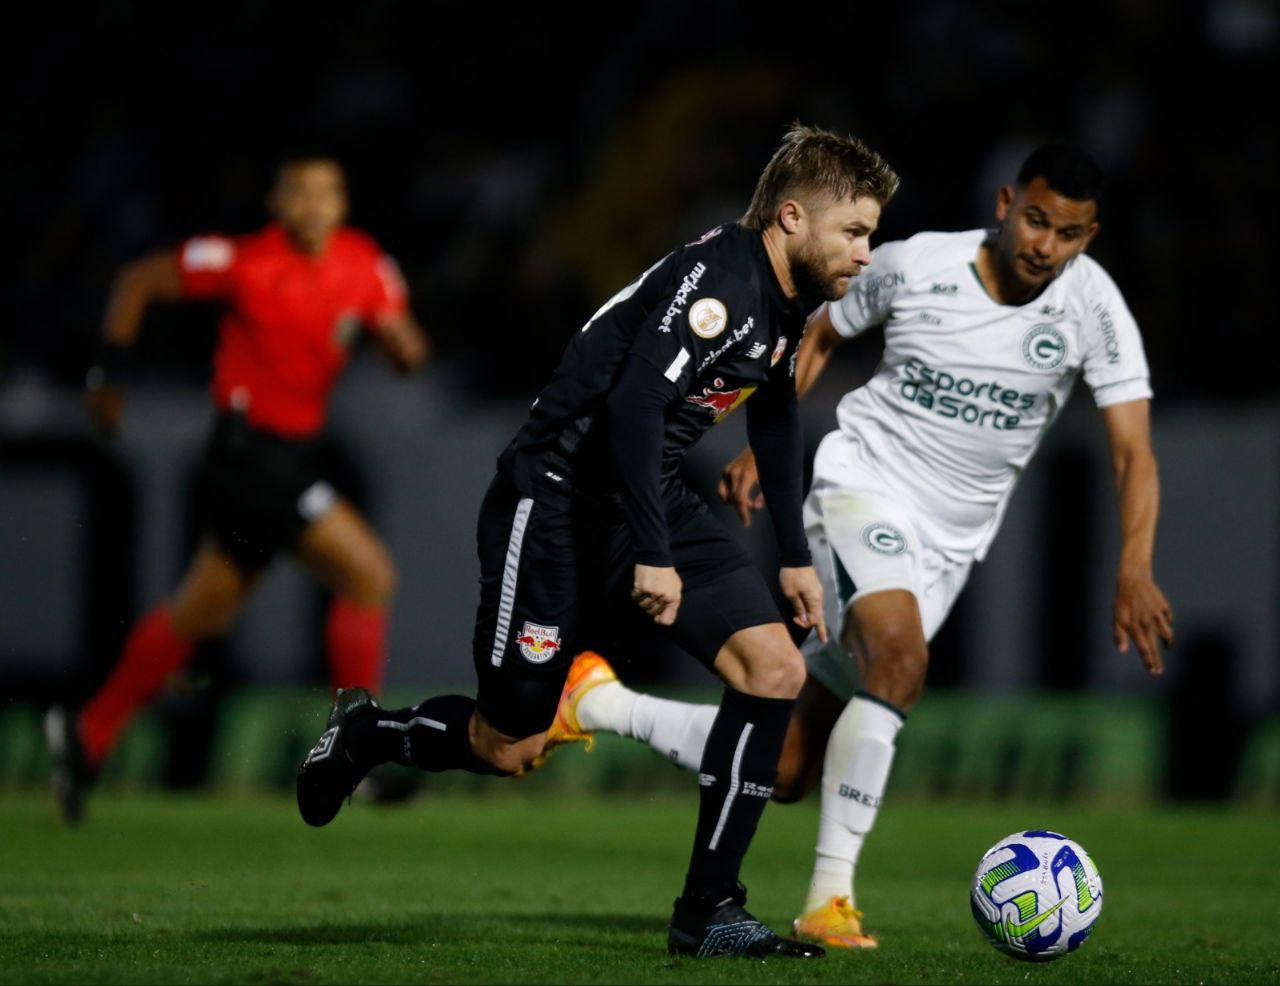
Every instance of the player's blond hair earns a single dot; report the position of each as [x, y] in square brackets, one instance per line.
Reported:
[813, 160]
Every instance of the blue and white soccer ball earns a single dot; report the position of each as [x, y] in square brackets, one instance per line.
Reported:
[1036, 895]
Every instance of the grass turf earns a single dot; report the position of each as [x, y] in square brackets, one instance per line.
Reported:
[516, 887]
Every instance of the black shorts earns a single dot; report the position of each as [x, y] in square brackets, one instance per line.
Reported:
[257, 491]
[546, 564]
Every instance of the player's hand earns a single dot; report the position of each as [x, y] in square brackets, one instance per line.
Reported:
[105, 405]
[1143, 616]
[803, 588]
[657, 592]
[740, 486]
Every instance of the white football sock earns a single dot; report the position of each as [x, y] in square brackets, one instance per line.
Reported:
[854, 773]
[677, 730]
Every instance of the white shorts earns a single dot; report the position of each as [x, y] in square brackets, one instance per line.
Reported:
[863, 540]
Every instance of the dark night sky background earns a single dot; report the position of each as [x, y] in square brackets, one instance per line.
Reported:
[523, 162]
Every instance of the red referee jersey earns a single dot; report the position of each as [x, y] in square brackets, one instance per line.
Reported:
[290, 318]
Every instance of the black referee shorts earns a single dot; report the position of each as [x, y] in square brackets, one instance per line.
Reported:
[546, 563]
[257, 491]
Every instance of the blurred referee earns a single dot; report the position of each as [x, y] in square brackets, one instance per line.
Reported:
[296, 295]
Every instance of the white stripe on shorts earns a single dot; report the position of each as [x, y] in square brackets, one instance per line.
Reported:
[510, 570]
[734, 784]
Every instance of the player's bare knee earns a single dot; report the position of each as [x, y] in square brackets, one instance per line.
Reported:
[775, 674]
[383, 578]
[898, 675]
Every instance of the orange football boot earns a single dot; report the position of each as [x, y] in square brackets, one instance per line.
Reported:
[836, 923]
[587, 671]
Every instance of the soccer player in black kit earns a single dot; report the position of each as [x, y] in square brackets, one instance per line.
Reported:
[587, 502]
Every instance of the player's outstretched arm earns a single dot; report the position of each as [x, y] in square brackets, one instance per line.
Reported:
[739, 483]
[1142, 613]
[403, 342]
[136, 286]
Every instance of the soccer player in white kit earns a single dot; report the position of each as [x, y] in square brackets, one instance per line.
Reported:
[985, 334]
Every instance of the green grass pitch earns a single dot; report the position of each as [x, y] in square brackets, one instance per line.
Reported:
[519, 886]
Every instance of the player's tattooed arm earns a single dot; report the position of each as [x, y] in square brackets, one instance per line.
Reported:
[403, 342]
[136, 286]
[740, 480]
[1142, 615]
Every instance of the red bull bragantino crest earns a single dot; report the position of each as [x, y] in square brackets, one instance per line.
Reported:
[720, 402]
[538, 644]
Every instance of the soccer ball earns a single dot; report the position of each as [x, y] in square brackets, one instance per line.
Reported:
[1036, 895]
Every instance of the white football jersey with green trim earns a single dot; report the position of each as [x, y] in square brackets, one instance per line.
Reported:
[967, 387]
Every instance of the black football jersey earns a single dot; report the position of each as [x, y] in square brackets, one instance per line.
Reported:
[710, 316]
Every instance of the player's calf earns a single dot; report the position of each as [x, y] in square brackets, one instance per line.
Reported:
[505, 754]
[798, 768]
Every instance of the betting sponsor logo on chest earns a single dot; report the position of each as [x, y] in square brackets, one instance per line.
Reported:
[738, 334]
[688, 285]
[985, 403]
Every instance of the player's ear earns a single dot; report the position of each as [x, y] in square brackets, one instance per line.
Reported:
[1089, 234]
[1004, 199]
[790, 216]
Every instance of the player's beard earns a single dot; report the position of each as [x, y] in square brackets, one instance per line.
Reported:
[1013, 283]
[812, 275]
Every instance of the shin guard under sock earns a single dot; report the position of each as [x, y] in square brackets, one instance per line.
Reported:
[739, 766]
[433, 735]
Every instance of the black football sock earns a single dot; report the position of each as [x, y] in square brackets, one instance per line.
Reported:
[739, 766]
[432, 735]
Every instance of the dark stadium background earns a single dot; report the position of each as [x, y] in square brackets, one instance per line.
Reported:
[524, 161]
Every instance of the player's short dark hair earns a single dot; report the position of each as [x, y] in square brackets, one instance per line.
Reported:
[297, 157]
[1067, 169]
[814, 160]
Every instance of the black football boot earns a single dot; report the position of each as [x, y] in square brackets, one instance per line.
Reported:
[720, 926]
[328, 775]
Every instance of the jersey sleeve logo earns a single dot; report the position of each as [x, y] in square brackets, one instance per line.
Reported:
[708, 318]
[1107, 325]
[778, 350]
[1044, 347]
[208, 253]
